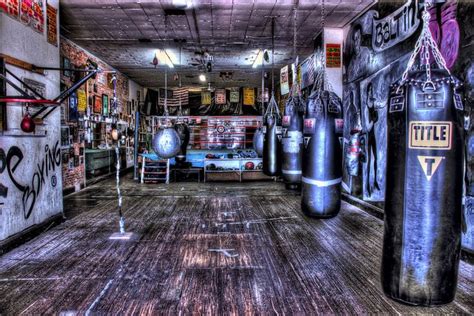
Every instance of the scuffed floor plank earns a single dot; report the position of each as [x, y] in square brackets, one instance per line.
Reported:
[226, 248]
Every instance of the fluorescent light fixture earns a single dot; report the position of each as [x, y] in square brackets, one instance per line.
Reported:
[164, 58]
[259, 59]
[202, 77]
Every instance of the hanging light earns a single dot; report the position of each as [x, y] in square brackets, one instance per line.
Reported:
[202, 78]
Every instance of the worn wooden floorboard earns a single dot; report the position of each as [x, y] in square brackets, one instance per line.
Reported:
[226, 248]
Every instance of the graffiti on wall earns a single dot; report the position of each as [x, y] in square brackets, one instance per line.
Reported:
[43, 175]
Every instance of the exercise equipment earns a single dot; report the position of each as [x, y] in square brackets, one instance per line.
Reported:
[166, 142]
[423, 205]
[322, 167]
[184, 134]
[258, 141]
[249, 165]
[27, 124]
[271, 141]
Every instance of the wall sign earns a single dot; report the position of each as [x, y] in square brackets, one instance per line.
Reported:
[73, 114]
[234, 96]
[266, 95]
[11, 8]
[395, 27]
[105, 105]
[32, 14]
[97, 105]
[249, 96]
[220, 96]
[333, 55]
[52, 27]
[206, 98]
[81, 101]
[284, 80]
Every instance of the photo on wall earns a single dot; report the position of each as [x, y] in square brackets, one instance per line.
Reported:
[105, 105]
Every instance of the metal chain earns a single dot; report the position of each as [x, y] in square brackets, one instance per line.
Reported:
[424, 45]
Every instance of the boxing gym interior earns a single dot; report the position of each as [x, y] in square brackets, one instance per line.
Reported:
[308, 157]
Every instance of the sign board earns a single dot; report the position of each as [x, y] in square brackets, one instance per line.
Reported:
[249, 96]
[333, 55]
[52, 26]
[206, 98]
[220, 96]
[284, 81]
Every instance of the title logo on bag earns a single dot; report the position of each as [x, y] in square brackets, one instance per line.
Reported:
[429, 164]
[430, 135]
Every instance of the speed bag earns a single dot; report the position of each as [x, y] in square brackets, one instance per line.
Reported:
[424, 187]
[292, 144]
[322, 156]
[271, 146]
[183, 132]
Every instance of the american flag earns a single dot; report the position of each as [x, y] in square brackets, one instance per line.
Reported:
[178, 94]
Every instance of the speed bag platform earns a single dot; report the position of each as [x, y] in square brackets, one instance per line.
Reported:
[424, 187]
[322, 156]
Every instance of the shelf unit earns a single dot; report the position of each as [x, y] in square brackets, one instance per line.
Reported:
[233, 165]
[153, 170]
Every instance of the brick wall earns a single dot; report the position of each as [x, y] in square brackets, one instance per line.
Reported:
[74, 163]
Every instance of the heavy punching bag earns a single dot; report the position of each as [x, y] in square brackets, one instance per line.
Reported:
[423, 205]
[322, 167]
[271, 140]
[183, 132]
[292, 142]
[258, 141]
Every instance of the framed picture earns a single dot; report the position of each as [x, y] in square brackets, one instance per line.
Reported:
[66, 65]
[105, 105]
[97, 105]
[73, 113]
[65, 140]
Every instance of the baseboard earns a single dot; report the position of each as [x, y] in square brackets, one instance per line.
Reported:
[29, 233]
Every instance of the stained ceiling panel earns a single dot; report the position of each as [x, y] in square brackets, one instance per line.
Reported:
[127, 33]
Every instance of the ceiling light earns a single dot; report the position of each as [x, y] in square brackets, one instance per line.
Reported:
[202, 78]
[259, 59]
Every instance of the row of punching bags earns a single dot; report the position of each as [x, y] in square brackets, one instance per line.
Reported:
[306, 152]
[424, 180]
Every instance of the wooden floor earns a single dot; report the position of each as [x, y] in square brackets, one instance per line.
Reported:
[208, 248]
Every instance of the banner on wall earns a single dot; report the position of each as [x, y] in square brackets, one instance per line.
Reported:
[284, 81]
[97, 105]
[249, 96]
[396, 27]
[52, 27]
[234, 96]
[81, 101]
[11, 8]
[333, 55]
[220, 96]
[32, 14]
[206, 98]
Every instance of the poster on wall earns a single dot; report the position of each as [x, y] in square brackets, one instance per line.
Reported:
[73, 112]
[32, 14]
[307, 72]
[97, 105]
[333, 55]
[249, 96]
[81, 100]
[11, 8]
[234, 96]
[220, 96]
[284, 81]
[52, 27]
[206, 98]
[105, 105]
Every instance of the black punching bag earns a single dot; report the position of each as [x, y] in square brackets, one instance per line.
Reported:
[322, 167]
[292, 143]
[424, 188]
[183, 132]
[271, 145]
